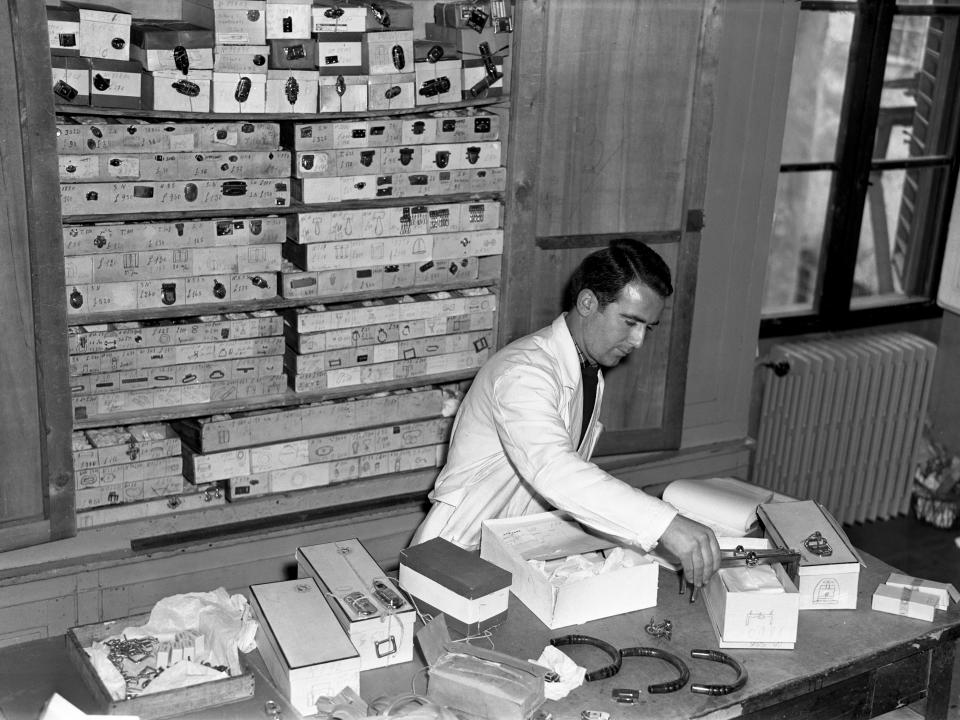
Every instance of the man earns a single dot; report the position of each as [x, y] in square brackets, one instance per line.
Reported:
[524, 434]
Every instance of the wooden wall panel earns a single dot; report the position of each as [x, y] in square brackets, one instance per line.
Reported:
[616, 117]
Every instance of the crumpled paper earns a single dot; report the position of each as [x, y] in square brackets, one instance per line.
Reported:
[226, 622]
[578, 567]
[571, 675]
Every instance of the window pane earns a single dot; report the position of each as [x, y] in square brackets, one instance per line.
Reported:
[916, 92]
[816, 86]
[796, 241]
[897, 230]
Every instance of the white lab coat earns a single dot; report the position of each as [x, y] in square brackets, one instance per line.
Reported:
[514, 451]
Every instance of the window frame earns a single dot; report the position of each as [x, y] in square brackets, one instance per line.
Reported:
[852, 167]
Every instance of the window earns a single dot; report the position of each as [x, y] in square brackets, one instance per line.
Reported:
[868, 166]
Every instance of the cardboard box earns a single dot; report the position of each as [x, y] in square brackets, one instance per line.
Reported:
[372, 611]
[63, 31]
[171, 45]
[391, 92]
[234, 92]
[439, 82]
[292, 91]
[133, 237]
[828, 582]
[71, 80]
[343, 93]
[340, 53]
[173, 90]
[511, 543]
[290, 19]
[302, 644]
[753, 619]
[104, 32]
[467, 41]
[898, 600]
[200, 498]
[234, 22]
[356, 16]
[108, 137]
[243, 59]
[295, 54]
[476, 83]
[944, 592]
[441, 577]
[115, 84]
[170, 703]
[387, 53]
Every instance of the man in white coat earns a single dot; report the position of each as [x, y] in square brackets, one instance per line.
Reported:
[526, 429]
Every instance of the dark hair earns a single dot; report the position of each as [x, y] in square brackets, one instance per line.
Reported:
[606, 272]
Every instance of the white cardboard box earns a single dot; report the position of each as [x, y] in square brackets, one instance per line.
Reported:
[444, 578]
[511, 542]
[909, 602]
[943, 592]
[302, 644]
[385, 636]
[753, 619]
[828, 582]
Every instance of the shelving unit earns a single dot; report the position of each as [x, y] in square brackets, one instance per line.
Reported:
[275, 508]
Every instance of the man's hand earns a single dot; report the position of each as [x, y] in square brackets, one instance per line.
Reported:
[695, 546]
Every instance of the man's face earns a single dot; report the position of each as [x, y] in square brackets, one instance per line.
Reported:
[618, 329]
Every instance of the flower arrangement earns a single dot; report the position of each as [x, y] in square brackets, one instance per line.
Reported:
[936, 485]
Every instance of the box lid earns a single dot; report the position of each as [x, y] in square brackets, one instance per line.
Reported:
[793, 522]
[297, 617]
[64, 14]
[462, 571]
[168, 34]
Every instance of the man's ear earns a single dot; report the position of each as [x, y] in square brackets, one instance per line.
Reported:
[587, 302]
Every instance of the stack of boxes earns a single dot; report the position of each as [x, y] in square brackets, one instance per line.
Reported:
[278, 56]
[128, 472]
[364, 343]
[136, 366]
[262, 452]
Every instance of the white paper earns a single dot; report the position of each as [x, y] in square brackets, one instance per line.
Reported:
[726, 505]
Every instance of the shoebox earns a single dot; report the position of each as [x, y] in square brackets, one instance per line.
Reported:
[234, 92]
[305, 650]
[550, 538]
[289, 19]
[177, 91]
[171, 45]
[71, 80]
[115, 83]
[104, 31]
[828, 580]
[343, 93]
[360, 16]
[387, 53]
[390, 92]
[758, 618]
[470, 591]
[374, 614]
[63, 30]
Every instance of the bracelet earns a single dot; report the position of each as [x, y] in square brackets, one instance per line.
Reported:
[720, 657]
[680, 665]
[600, 673]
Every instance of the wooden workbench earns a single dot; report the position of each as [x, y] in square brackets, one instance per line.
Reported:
[847, 664]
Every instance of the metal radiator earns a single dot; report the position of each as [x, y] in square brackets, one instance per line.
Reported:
[842, 425]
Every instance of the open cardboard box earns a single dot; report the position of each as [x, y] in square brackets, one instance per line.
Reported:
[512, 542]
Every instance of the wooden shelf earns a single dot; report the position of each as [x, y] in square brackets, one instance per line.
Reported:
[285, 399]
[293, 208]
[275, 303]
[277, 117]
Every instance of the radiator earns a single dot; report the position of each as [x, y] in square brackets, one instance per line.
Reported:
[842, 425]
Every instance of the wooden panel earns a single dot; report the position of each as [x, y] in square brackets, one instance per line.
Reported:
[756, 52]
[37, 485]
[616, 116]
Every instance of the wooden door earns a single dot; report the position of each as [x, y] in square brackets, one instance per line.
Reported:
[609, 138]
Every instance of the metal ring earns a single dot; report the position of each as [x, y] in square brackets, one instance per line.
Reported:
[600, 673]
[720, 657]
[680, 665]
